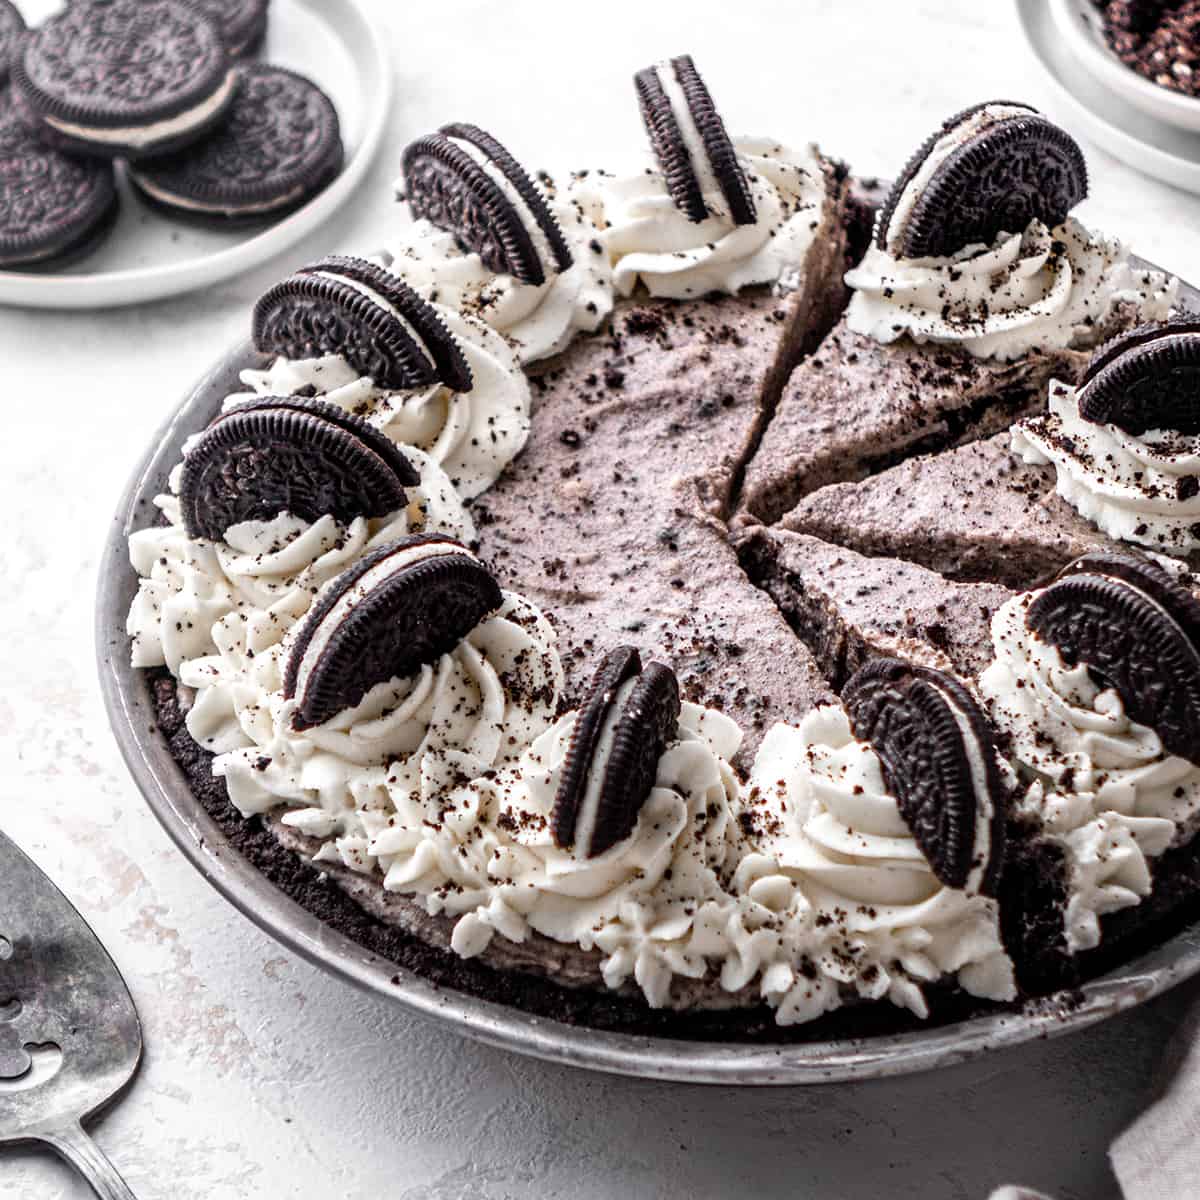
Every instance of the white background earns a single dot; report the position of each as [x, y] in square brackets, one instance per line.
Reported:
[265, 1079]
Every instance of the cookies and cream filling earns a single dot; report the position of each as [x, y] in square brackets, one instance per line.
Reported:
[1135, 487]
[693, 141]
[1097, 782]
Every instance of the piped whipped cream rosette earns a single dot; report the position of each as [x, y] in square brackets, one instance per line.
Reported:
[975, 247]
[887, 813]
[1125, 445]
[272, 500]
[712, 213]
[1096, 683]
[354, 333]
[491, 242]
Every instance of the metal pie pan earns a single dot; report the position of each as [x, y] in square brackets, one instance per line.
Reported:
[132, 716]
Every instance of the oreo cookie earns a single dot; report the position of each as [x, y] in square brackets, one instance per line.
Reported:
[1147, 378]
[464, 181]
[278, 147]
[289, 454]
[12, 25]
[124, 78]
[243, 23]
[689, 141]
[1001, 170]
[369, 316]
[1136, 630]
[612, 760]
[938, 753]
[395, 611]
[53, 209]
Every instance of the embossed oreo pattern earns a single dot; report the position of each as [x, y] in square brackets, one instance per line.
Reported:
[11, 27]
[242, 22]
[1149, 381]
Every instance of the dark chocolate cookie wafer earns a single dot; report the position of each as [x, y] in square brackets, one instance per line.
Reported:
[12, 25]
[1004, 173]
[1146, 379]
[278, 147]
[243, 23]
[53, 209]
[369, 316]
[464, 181]
[938, 752]
[623, 740]
[289, 454]
[397, 610]
[124, 78]
[684, 127]
[1136, 630]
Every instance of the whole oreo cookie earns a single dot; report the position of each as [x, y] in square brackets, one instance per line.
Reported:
[689, 140]
[288, 454]
[1005, 171]
[397, 610]
[1148, 378]
[278, 147]
[369, 316]
[124, 78]
[464, 181]
[53, 209]
[243, 23]
[1137, 630]
[612, 759]
[938, 753]
[12, 25]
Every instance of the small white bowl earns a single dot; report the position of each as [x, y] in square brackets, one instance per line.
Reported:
[1081, 25]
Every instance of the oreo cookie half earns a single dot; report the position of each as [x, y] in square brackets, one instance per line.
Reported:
[279, 146]
[289, 454]
[989, 169]
[369, 316]
[243, 23]
[1148, 378]
[689, 141]
[620, 733]
[12, 25]
[397, 610]
[53, 209]
[938, 752]
[124, 78]
[464, 181]
[1136, 630]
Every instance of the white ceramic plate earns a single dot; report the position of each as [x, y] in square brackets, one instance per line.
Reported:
[1081, 26]
[1095, 110]
[149, 256]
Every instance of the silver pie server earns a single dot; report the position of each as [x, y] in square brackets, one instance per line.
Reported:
[59, 988]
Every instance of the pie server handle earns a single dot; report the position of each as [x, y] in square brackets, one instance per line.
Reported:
[88, 1159]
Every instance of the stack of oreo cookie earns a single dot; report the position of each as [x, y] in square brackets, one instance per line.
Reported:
[165, 86]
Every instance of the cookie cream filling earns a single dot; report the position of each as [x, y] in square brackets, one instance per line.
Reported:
[1135, 487]
[650, 240]
[1099, 783]
[270, 567]
[884, 925]
[471, 435]
[1035, 289]
[191, 204]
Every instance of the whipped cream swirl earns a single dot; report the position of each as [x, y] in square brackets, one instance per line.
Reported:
[1100, 782]
[273, 567]
[471, 435]
[1142, 488]
[650, 240]
[884, 925]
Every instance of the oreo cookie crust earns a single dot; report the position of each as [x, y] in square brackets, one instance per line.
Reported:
[279, 145]
[612, 759]
[369, 316]
[288, 454]
[1136, 630]
[12, 25]
[938, 753]
[395, 611]
[243, 23]
[124, 78]
[689, 140]
[464, 181]
[1146, 379]
[53, 209]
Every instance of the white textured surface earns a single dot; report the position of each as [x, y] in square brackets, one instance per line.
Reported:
[263, 1078]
